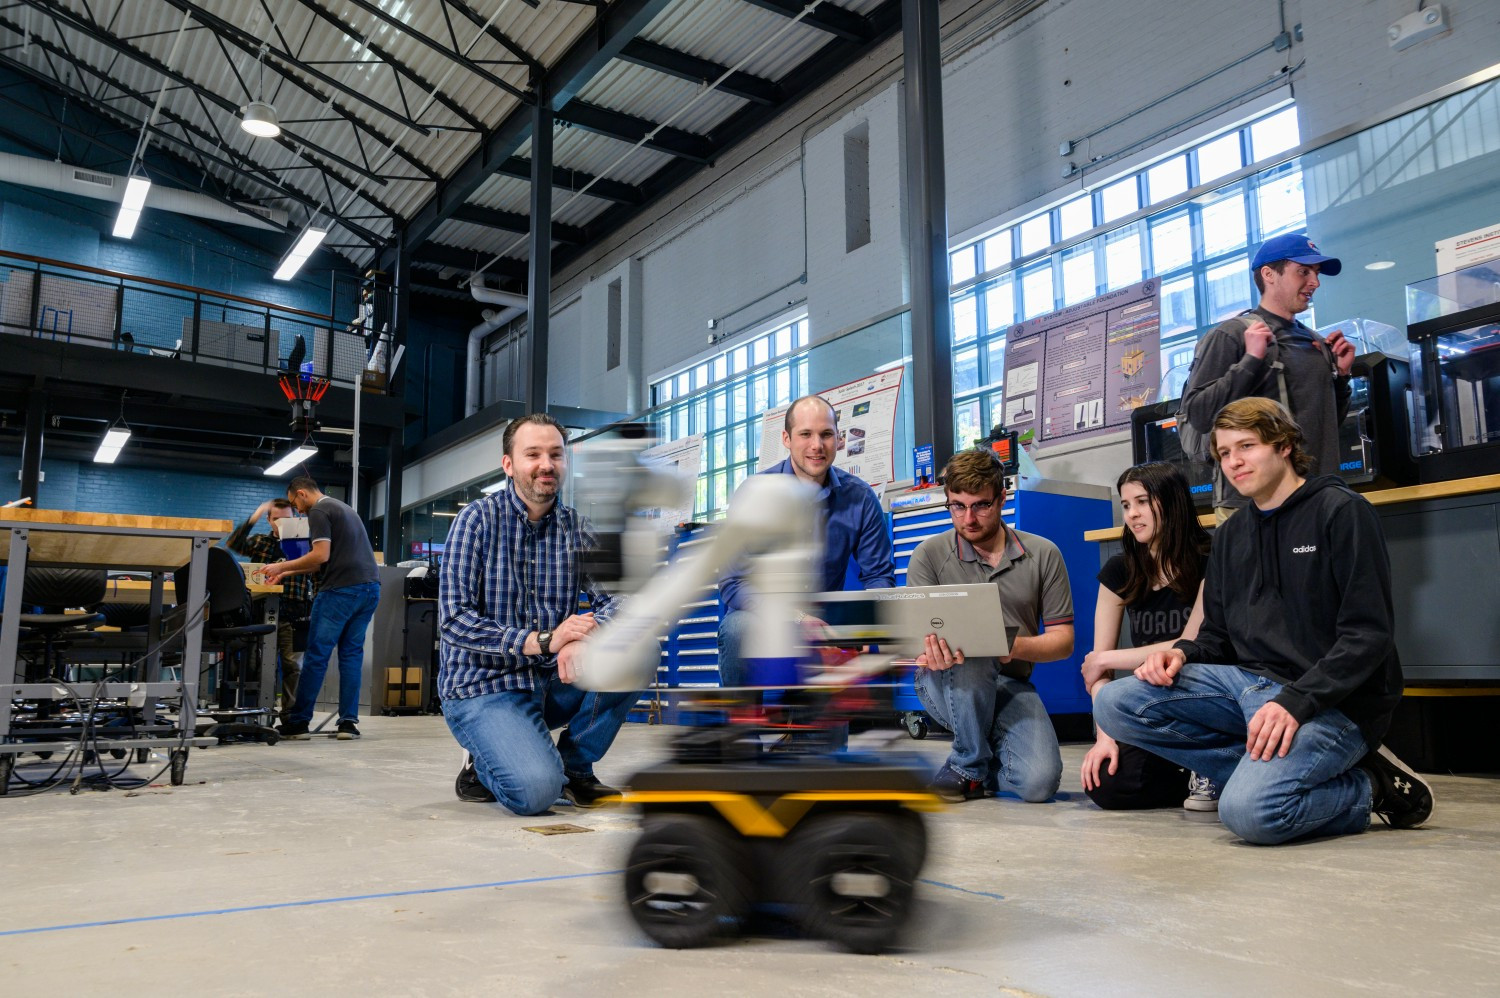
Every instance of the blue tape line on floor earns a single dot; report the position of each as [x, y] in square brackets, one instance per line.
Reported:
[962, 890]
[308, 903]
[375, 897]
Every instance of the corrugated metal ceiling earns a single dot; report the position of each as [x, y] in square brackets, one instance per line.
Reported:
[351, 82]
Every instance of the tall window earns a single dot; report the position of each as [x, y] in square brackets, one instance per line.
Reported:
[723, 398]
[1199, 251]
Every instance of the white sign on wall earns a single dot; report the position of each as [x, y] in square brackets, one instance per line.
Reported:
[867, 428]
[685, 459]
[1459, 252]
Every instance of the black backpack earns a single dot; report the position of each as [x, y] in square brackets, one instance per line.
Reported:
[1195, 443]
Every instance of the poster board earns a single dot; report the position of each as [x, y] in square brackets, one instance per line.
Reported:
[684, 458]
[1464, 251]
[866, 411]
[1080, 372]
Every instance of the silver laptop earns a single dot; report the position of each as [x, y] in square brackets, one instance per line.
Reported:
[969, 617]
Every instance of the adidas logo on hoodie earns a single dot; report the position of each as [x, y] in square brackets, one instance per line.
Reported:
[1305, 549]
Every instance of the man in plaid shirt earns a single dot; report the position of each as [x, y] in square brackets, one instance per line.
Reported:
[297, 592]
[510, 628]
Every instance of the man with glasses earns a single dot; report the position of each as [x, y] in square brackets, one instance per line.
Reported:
[1003, 740]
[853, 523]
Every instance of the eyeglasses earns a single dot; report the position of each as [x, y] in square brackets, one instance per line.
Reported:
[979, 508]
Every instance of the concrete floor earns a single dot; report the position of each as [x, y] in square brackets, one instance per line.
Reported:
[348, 868]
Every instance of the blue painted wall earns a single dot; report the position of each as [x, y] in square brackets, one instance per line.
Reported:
[166, 246]
[104, 488]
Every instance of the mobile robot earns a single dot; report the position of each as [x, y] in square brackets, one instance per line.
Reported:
[762, 813]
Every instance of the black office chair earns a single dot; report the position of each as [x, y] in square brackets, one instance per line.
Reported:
[54, 590]
[293, 361]
[231, 633]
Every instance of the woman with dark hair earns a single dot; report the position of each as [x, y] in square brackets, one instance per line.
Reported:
[1156, 581]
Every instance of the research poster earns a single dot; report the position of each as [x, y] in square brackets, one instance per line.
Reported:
[1081, 371]
[1467, 250]
[867, 428]
[684, 458]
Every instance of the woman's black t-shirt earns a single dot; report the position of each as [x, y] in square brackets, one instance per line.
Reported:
[1160, 615]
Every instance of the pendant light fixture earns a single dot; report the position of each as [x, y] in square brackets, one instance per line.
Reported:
[259, 117]
[115, 438]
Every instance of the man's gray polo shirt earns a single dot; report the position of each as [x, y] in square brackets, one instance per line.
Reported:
[1032, 577]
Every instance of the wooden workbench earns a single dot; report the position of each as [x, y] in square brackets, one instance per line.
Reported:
[1384, 497]
[75, 539]
[139, 591]
[107, 540]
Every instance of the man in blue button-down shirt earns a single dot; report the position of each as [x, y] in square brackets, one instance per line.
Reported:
[510, 628]
[853, 526]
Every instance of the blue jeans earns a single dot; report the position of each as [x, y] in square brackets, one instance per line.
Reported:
[509, 735]
[339, 618]
[1201, 723]
[732, 627]
[1002, 735]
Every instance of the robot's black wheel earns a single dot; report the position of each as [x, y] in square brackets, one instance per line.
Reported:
[916, 725]
[7, 765]
[118, 753]
[179, 766]
[142, 755]
[688, 881]
[855, 874]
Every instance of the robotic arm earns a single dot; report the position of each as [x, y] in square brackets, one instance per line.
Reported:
[773, 521]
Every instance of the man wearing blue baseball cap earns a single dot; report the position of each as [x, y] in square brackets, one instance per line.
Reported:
[1266, 352]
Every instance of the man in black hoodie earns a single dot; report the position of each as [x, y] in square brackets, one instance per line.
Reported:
[1298, 621]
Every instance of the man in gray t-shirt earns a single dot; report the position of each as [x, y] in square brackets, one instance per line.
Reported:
[348, 589]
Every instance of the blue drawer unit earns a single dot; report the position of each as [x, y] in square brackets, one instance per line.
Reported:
[1058, 511]
[690, 651]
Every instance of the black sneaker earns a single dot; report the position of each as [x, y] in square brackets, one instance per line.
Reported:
[1401, 798]
[954, 787]
[346, 731]
[293, 730]
[587, 791]
[468, 786]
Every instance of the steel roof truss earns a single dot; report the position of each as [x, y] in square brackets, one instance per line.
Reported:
[629, 128]
[641, 52]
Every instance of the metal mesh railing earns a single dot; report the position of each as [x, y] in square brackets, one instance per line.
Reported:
[82, 305]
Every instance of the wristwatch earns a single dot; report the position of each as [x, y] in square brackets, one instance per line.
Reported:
[544, 641]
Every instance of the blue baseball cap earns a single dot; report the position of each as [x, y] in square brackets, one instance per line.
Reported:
[1296, 247]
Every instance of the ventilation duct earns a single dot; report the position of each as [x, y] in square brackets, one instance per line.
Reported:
[493, 320]
[28, 171]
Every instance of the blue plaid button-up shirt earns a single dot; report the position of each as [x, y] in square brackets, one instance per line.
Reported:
[504, 577]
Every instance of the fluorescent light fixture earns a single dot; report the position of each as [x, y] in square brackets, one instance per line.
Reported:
[291, 460]
[136, 190]
[109, 447]
[892, 365]
[260, 120]
[493, 487]
[311, 237]
[1380, 265]
[437, 513]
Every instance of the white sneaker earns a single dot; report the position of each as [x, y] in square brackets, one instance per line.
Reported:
[1203, 794]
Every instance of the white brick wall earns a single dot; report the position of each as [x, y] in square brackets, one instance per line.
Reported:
[1072, 67]
[725, 265]
[1353, 74]
[846, 288]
